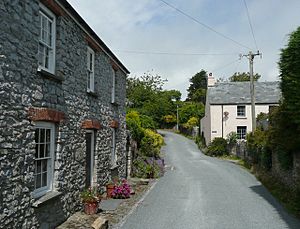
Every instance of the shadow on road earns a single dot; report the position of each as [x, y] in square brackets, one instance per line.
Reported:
[292, 222]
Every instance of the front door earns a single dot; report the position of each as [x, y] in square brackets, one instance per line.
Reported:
[89, 139]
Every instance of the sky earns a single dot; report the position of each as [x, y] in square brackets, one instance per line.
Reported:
[176, 39]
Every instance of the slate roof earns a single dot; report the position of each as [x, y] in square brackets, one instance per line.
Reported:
[239, 93]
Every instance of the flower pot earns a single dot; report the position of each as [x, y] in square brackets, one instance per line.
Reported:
[91, 208]
[109, 190]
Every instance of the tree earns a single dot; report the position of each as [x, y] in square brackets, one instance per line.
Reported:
[289, 65]
[243, 76]
[197, 88]
[146, 96]
[188, 110]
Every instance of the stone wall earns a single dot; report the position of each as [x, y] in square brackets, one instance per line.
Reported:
[22, 88]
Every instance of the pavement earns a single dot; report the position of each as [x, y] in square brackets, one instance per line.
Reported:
[112, 211]
[203, 192]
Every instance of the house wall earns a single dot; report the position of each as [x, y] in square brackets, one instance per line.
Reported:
[229, 124]
[205, 123]
[23, 89]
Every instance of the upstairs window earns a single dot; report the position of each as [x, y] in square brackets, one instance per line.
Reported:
[241, 132]
[90, 69]
[113, 89]
[44, 157]
[241, 111]
[46, 49]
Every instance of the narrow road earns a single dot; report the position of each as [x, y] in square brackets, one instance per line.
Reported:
[202, 192]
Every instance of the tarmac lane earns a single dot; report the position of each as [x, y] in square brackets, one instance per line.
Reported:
[202, 192]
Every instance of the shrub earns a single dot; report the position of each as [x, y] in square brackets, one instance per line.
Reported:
[231, 138]
[217, 147]
[147, 122]
[147, 168]
[151, 143]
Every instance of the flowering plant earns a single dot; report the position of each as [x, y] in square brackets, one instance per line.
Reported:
[121, 190]
[91, 195]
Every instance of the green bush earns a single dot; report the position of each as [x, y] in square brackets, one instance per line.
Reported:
[143, 169]
[147, 122]
[151, 143]
[217, 147]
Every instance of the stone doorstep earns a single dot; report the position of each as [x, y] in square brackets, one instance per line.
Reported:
[81, 220]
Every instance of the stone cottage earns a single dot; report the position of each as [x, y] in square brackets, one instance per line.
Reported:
[62, 112]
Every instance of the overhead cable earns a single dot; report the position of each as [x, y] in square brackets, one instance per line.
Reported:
[204, 25]
[250, 24]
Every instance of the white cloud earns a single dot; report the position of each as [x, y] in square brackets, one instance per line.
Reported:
[150, 25]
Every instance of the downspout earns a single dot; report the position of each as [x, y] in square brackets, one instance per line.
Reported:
[222, 121]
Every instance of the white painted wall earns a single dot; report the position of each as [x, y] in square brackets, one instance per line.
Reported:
[214, 114]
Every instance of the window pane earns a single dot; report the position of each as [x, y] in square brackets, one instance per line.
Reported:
[44, 166]
[42, 150]
[38, 179]
[42, 135]
[38, 166]
[37, 134]
[48, 135]
[37, 150]
[47, 150]
[44, 179]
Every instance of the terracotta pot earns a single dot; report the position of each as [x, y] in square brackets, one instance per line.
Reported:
[91, 208]
[109, 190]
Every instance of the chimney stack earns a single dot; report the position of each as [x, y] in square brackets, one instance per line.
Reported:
[210, 80]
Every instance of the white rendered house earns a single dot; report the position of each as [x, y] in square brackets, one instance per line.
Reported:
[228, 107]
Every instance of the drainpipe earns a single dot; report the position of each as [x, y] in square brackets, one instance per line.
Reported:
[222, 121]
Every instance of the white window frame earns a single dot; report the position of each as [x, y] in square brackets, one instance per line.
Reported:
[241, 111]
[90, 70]
[240, 135]
[113, 88]
[50, 159]
[113, 148]
[48, 15]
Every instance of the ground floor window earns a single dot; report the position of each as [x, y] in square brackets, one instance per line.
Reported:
[44, 157]
[241, 132]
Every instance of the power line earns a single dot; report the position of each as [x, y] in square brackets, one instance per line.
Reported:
[250, 24]
[174, 53]
[204, 25]
[225, 66]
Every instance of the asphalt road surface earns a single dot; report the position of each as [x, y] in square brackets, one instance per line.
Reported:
[202, 192]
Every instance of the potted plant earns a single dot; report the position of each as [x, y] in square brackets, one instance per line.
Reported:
[121, 190]
[90, 198]
[110, 187]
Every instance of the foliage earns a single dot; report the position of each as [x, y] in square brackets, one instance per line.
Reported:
[188, 110]
[243, 76]
[170, 119]
[151, 143]
[283, 137]
[121, 189]
[259, 149]
[289, 65]
[90, 195]
[133, 123]
[193, 121]
[144, 168]
[217, 147]
[197, 88]
[147, 122]
[145, 95]
[231, 138]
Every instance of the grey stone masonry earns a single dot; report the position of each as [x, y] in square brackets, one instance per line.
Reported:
[29, 97]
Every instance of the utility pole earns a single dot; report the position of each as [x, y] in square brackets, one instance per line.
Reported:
[250, 57]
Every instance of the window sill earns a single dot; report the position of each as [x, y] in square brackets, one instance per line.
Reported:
[241, 117]
[92, 93]
[50, 76]
[45, 198]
